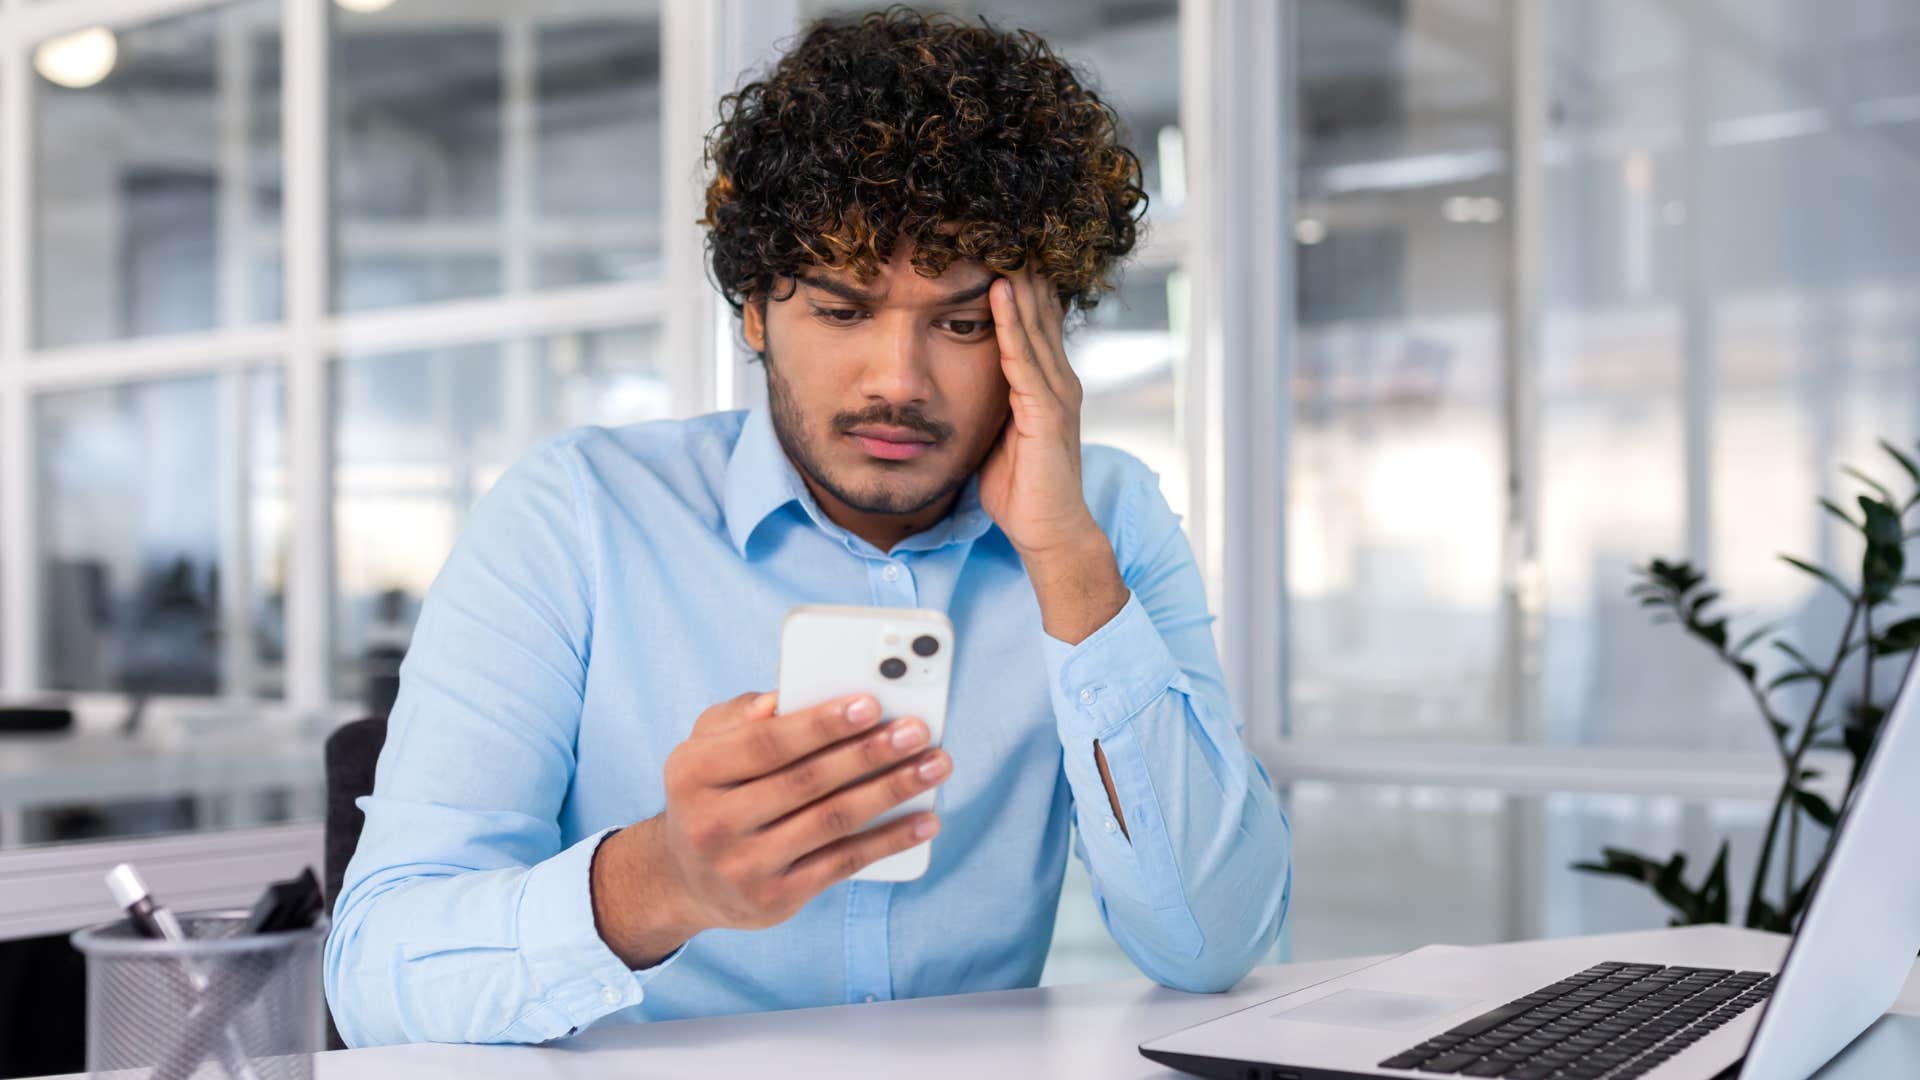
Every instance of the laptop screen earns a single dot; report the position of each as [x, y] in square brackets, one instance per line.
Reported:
[1856, 942]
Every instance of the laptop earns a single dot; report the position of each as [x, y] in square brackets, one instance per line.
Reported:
[1713, 1005]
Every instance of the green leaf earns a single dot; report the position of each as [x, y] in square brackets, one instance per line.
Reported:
[1839, 513]
[1823, 575]
[1903, 636]
[1879, 488]
[1906, 463]
[1817, 808]
[1804, 660]
[1792, 677]
[1713, 891]
[1667, 880]
[1621, 863]
[1884, 560]
[1753, 637]
[1764, 917]
[1859, 744]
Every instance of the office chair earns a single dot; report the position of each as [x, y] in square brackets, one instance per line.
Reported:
[351, 752]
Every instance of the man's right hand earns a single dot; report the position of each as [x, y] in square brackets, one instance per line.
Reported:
[762, 816]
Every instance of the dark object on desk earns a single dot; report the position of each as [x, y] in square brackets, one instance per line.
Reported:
[43, 1007]
[352, 752]
[293, 904]
[19, 718]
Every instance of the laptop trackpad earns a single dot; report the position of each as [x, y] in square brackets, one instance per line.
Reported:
[1375, 1009]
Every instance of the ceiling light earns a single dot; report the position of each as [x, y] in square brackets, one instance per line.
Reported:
[365, 7]
[77, 60]
[1309, 231]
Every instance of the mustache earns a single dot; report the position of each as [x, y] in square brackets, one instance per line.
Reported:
[885, 414]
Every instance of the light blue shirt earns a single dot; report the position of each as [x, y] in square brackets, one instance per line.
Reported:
[615, 584]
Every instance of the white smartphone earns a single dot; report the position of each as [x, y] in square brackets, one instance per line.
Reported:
[902, 656]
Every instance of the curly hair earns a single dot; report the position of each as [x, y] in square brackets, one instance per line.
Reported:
[970, 141]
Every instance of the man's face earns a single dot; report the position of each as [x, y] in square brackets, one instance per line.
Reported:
[886, 394]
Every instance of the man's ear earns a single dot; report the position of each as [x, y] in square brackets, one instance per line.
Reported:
[753, 322]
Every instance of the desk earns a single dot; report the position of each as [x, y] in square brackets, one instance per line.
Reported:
[1088, 1030]
[216, 768]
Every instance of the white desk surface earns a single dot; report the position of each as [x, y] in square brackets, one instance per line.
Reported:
[1086, 1030]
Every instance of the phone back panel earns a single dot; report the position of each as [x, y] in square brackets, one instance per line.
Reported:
[829, 651]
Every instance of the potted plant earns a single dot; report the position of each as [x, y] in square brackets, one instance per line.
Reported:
[1839, 717]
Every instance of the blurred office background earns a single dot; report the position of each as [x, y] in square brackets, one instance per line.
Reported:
[1448, 313]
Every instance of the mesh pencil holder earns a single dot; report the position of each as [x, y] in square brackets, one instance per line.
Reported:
[220, 1003]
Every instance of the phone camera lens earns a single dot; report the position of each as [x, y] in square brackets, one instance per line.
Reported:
[926, 645]
[893, 667]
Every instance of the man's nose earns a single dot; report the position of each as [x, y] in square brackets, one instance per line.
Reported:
[897, 370]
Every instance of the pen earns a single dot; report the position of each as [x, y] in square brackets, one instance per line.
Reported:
[149, 918]
[154, 921]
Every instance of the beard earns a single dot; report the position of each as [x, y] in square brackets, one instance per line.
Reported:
[898, 489]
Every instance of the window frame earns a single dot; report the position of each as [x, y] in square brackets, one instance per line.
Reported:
[1236, 111]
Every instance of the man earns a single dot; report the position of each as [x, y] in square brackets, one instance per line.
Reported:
[566, 827]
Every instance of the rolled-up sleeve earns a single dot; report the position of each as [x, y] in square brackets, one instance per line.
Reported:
[463, 916]
[1195, 886]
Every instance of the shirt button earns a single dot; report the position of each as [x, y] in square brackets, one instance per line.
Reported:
[1087, 696]
[891, 572]
[609, 995]
[1112, 825]
[870, 999]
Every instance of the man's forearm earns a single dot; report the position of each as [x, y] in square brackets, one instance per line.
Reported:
[1080, 590]
[1078, 586]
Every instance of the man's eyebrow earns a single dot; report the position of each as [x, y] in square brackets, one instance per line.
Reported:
[838, 288]
[971, 292]
[860, 296]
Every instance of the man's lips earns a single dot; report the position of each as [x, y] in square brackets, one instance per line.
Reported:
[891, 443]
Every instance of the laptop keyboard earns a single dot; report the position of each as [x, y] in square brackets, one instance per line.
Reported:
[1610, 1021]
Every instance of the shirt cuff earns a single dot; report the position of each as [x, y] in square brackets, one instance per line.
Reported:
[1117, 671]
[584, 979]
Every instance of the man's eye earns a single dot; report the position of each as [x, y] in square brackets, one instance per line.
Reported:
[839, 316]
[969, 327]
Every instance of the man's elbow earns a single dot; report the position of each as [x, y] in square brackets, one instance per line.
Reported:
[1224, 958]
[362, 1012]
[1221, 963]
[342, 1001]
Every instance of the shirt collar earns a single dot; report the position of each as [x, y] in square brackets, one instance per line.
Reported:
[761, 480]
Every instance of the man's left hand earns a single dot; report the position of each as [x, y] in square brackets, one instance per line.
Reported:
[1030, 482]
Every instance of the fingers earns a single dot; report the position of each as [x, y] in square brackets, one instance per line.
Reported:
[1041, 308]
[844, 858]
[750, 750]
[1017, 355]
[1037, 335]
[843, 814]
[735, 710]
[778, 794]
